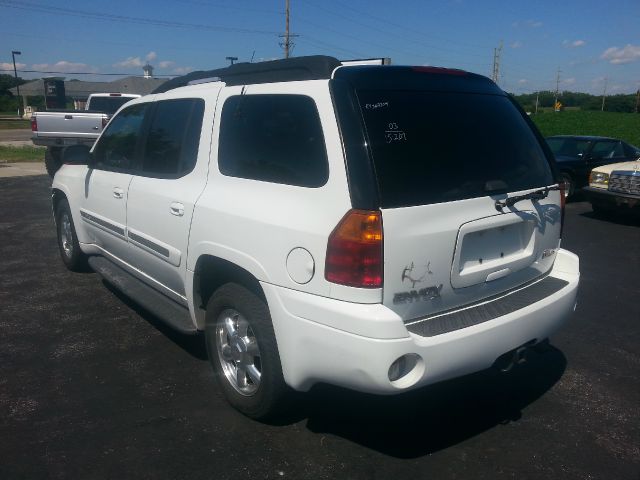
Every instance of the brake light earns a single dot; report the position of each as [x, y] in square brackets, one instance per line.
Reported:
[34, 124]
[354, 250]
[563, 200]
[115, 94]
[105, 120]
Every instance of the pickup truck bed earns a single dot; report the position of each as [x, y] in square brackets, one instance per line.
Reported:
[67, 127]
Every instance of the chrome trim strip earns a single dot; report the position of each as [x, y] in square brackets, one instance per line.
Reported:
[102, 223]
[149, 244]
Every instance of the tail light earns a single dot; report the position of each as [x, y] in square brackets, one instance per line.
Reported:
[354, 250]
[105, 120]
[563, 200]
[34, 124]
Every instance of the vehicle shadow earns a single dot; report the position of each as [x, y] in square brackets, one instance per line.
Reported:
[192, 344]
[621, 218]
[436, 417]
[415, 423]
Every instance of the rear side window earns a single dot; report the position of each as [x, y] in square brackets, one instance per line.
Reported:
[172, 142]
[273, 138]
[116, 149]
[567, 147]
[433, 147]
[607, 149]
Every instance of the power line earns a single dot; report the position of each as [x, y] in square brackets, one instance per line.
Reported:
[83, 73]
[20, 5]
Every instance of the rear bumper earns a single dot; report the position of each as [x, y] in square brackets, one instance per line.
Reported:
[311, 351]
[63, 141]
[600, 196]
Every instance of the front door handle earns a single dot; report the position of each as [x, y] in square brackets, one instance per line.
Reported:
[176, 209]
[118, 192]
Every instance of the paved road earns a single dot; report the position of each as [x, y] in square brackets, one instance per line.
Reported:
[21, 169]
[93, 387]
[12, 135]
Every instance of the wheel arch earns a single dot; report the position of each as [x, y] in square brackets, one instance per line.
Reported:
[211, 272]
[57, 196]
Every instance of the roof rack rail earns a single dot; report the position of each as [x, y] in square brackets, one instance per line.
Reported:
[204, 80]
[313, 67]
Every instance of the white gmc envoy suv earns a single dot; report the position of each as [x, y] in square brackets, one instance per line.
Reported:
[379, 228]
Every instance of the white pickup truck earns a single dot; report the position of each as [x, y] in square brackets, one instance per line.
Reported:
[56, 129]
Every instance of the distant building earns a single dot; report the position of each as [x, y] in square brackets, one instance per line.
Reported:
[80, 90]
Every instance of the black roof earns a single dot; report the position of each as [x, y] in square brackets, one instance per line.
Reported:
[314, 67]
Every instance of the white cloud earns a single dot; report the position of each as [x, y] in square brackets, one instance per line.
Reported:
[151, 56]
[182, 70]
[523, 81]
[516, 44]
[129, 63]
[619, 56]
[569, 81]
[166, 64]
[574, 44]
[64, 66]
[9, 66]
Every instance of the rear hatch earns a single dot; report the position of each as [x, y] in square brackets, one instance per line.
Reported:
[444, 156]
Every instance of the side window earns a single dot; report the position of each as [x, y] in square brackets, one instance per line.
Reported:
[116, 149]
[607, 149]
[631, 151]
[171, 147]
[273, 138]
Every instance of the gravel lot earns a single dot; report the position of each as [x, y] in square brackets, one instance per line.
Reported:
[93, 387]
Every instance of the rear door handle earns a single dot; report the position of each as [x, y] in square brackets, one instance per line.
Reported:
[176, 209]
[118, 192]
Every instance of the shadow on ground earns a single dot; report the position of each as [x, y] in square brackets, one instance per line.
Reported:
[623, 217]
[192, 344]
[412, 424]
[436, 417]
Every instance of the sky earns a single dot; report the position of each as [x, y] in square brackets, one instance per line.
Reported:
[580, 45]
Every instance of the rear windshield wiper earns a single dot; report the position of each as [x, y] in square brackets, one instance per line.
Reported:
[536, 195]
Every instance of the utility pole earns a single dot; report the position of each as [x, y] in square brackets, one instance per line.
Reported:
[232, 59]
[496, 63]
[555, 101]
[287, 44]
[537, 97]
[638, 100]
[604, 93]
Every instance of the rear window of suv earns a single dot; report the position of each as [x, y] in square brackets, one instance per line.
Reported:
[434, 147]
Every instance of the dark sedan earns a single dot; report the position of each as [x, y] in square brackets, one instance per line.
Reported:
[577, 155]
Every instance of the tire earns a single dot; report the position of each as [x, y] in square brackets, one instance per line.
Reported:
[243, 352]
[52, 160]
[569, 186]
[73, 258]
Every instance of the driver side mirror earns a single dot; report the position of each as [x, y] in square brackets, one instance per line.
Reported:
[77, 155]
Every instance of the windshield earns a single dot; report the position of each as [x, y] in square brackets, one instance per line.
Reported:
[108, 105]
[433, 147]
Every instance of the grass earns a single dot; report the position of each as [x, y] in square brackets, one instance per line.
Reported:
[625, 126]
[14, 124]
[21, 154]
